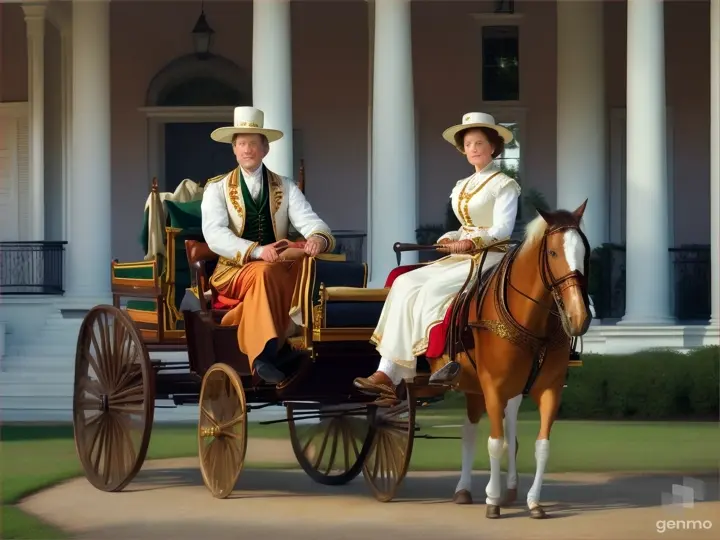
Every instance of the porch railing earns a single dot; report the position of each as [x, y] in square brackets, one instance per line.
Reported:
[31, 268]
[689, 279]
[351, 243]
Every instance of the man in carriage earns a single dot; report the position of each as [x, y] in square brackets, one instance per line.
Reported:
[246, 214]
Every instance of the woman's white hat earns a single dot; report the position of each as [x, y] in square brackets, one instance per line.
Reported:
[476, 120]
[247, 120]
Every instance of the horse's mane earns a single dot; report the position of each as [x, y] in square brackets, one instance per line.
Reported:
[535, 230]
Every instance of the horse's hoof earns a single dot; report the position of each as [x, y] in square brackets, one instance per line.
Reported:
[492, 511]
[510, 497]
[538, 513]
[462, 497]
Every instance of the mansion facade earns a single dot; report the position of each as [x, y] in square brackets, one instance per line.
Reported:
[614, 101]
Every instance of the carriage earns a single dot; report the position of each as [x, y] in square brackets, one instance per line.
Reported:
[336, 431]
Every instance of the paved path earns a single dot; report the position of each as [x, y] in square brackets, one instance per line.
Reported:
[168, 500]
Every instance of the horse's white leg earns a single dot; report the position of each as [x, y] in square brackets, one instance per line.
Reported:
[542, 452]
[475, 407]
[548, 400]
[463, 491]
[511, 416]
[496, 448]
[493, 490]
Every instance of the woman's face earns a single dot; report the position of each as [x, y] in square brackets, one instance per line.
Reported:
[477, 148]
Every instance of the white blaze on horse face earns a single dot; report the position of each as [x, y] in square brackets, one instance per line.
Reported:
[574, 251]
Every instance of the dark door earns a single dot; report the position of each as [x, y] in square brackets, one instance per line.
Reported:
[191, 153]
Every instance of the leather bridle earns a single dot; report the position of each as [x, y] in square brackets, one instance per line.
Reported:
[556, 286]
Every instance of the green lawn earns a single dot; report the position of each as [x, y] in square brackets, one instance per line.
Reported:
[33, 457]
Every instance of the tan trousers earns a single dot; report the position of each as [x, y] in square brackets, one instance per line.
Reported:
[264, 292]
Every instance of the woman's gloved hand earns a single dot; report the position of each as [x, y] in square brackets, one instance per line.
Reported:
[461, 246]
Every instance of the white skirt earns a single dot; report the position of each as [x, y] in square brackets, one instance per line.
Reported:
[419, 300]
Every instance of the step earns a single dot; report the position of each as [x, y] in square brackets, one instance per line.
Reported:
[41, 349]
[36, 389]
[37, 364]
[56, 410]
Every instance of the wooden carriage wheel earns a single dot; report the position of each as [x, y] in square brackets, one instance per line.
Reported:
[222, 429]
[113, 398]
[333, 450]
[394, 433]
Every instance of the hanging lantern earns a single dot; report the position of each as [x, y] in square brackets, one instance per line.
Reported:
[202, 36]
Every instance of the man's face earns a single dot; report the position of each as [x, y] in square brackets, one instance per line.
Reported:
[250, 150]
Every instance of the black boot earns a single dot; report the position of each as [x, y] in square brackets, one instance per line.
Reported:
[267, 372]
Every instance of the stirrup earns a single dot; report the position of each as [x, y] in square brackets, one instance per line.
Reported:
[447, 374]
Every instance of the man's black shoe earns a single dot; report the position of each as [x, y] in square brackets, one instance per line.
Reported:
[267, 372]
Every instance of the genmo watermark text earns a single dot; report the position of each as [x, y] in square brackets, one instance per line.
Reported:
[663, 525]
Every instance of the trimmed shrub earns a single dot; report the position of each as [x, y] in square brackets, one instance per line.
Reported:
[648, 385]
[657, 385]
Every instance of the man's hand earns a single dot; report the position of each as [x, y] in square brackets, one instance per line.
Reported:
[314, 245]
[269, 253]
[445, 241]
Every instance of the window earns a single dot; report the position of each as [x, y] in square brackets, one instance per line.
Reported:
[501, 63]
[199, 91]
[511, 160]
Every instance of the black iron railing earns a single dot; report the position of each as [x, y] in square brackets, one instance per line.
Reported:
[31, 267]
[351, 243]
[689, 277]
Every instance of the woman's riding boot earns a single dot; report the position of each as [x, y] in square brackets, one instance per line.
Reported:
[446, 374]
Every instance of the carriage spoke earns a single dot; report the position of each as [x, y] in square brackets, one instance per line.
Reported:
[205, 414]
[321, 453]
[99, 364]
[347, 440]
[235, 421]
[335, 426]
[132, 394]
[128, 408]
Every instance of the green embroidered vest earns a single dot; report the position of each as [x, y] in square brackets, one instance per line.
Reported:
[258, 219]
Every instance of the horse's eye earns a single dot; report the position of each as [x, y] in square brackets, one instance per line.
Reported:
[553, 253]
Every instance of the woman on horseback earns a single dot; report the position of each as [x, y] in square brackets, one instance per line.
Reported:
[485, 203]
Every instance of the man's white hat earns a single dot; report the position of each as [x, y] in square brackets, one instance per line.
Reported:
[247, 120]
[476, 120]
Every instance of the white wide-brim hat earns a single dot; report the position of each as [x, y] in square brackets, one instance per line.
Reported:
[476, 120]
[247, 120]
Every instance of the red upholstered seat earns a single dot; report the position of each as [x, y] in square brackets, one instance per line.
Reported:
[220, 302]
[438, 333]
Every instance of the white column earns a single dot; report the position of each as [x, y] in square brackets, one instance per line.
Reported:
[715, 161]
[35, 24]
[90, 215]
[393, 213]
[272, 77]
[648, 288]
[581, 120]
[66, 76]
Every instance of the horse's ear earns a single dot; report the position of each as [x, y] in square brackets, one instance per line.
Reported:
[579, 211]
[545, 215]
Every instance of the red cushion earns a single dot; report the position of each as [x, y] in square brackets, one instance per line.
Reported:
[438, 333]
[399, 271]
[224, 303]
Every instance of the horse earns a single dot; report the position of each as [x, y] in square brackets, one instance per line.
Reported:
[523, 320]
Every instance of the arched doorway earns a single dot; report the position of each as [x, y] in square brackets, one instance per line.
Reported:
[186, 100]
